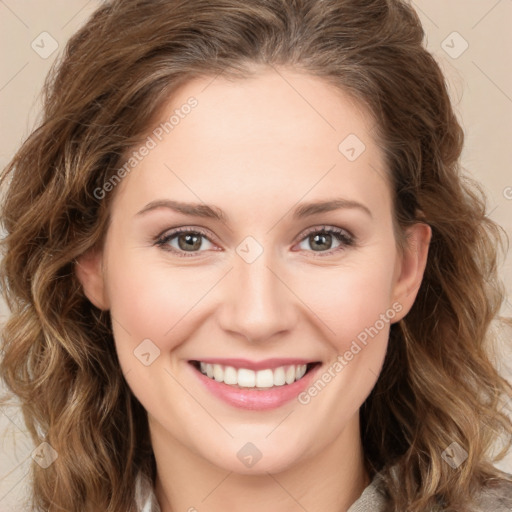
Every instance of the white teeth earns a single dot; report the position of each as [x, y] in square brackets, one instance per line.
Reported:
[290, 374]
[264, 379]
[279, 376]
[230, 375]
[301, 371]
[218, 373]
[246, 378]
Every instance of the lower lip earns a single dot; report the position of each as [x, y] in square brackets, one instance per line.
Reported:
[256, 399]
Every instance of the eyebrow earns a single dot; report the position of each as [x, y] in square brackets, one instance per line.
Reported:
[213, 212]
[308, 209]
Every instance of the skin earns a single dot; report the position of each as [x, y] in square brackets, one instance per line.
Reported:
[255, 148]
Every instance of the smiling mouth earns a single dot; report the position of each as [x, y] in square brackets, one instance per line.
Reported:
[257, 379]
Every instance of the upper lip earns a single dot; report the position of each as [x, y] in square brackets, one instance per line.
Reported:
[256, 365]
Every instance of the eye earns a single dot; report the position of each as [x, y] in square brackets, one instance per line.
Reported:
[321, 240]
[187, 239]
[191, 240]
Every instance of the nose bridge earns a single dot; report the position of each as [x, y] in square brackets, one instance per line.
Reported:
[257, 304]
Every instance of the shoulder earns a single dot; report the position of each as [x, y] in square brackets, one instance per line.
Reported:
[496, 496]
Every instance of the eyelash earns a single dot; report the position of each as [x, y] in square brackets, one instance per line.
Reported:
[344, 237]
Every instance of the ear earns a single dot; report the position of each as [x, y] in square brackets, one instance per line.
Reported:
[411, 267]
[89, 270]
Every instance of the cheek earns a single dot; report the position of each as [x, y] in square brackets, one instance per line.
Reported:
[354, 312]
[150, 300]
[351, 298]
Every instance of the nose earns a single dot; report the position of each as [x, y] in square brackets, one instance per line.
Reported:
[257, 303]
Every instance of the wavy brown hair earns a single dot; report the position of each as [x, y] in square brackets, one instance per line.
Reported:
[438, 384]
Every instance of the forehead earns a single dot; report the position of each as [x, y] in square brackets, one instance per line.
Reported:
[272, 106]
[276, 134]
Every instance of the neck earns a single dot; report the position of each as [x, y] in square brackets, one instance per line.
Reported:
[331, 479]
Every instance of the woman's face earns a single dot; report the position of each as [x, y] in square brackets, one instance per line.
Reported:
[264, 276]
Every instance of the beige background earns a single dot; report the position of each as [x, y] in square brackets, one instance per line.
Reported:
[471, 39]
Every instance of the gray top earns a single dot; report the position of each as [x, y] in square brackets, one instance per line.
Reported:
[495, 498]
[370, 499]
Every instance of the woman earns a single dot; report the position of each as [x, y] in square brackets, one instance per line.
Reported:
[252, 274]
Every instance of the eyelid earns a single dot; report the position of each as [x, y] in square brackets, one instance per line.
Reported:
[325, 228]
[169, 232]
[163, 238]
[350, 239]
[347, 239]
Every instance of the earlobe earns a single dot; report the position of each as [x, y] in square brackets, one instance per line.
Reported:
[89, 271]
[411, 266]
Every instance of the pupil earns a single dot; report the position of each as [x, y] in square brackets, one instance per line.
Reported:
[191, 242]
[325, 236]
[194, 241]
